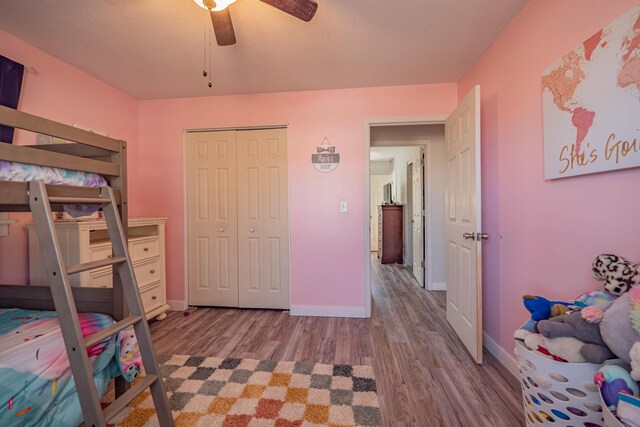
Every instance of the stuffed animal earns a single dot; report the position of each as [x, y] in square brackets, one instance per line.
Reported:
[565, 349]
[634, 316]
[618, 329]
[634, 355]
[599, 299]
[612, 380]
[619, 273]
[541, 308]
[573, 325]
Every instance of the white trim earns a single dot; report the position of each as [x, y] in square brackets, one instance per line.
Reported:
[407, 120]
[368, 124]
[239, 128]
[438, 286]
[177, 305]
[401, 143]
[504, 357]
[327, 311]
[185, 216]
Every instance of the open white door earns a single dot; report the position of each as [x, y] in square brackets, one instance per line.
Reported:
[463, 203]
[417, 223]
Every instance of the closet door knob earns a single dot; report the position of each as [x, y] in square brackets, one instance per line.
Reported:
[251, 230]
[221, 229]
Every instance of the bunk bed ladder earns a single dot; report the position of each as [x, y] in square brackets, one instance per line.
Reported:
[61, 291]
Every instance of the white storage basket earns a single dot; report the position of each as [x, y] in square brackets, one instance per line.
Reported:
[610, 420]
[556, 393]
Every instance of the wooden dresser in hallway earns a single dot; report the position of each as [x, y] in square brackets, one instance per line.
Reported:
[424, 375]
[390, 233]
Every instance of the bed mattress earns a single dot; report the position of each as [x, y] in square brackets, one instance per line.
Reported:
[22, 172]
[36, 385]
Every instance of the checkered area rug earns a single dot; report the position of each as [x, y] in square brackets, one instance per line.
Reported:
[209, 391]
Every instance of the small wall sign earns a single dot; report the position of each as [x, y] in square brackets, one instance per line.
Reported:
[325, 158]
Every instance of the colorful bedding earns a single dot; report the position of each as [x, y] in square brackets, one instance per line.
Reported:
[22, 172]
[36, 386]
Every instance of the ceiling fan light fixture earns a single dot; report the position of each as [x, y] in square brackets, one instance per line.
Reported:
[214, 5]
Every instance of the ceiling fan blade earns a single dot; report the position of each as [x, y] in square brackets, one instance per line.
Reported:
[301, 9]
[223, 27]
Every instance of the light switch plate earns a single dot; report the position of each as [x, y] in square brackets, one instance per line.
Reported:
[344, 206]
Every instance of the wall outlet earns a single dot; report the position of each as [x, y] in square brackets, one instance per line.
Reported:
[344, 206]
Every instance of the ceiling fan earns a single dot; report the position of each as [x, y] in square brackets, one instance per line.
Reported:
[221, 17]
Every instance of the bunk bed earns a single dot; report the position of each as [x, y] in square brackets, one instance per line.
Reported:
[87, 153]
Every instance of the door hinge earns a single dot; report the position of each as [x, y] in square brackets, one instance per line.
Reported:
[422, 263]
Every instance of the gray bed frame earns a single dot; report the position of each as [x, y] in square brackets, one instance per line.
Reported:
[87, 152]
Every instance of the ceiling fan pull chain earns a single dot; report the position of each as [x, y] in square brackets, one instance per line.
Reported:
[210, 71]
[204, 54]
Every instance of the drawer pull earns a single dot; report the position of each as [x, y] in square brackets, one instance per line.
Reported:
[146, 249]
[152, 271]
[154, 297]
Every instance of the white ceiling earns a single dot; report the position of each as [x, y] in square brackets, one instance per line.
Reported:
[384, 154]
[154, 48]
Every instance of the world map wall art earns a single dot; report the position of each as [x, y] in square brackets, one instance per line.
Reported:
[591, 103]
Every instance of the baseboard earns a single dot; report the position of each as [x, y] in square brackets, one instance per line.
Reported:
[440, 286]
[327, 311]
[506, 358]
[177, 305]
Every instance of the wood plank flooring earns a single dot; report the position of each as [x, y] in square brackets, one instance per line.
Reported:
[425, 376]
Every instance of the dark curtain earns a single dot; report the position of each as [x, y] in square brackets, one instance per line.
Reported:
[10, 85]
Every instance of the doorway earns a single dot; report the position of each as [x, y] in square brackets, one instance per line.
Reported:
[237, 218]
[413, 159]
[460, 187]
[392, 167]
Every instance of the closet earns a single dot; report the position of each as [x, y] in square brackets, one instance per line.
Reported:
[238, 219]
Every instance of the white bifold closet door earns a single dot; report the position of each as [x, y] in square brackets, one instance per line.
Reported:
[263, 219]
[237, 209]
[212, 212]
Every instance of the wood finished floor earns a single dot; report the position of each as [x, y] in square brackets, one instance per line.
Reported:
[425, 377]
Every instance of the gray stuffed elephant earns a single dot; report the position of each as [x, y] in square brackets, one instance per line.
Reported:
[617, 327]
[572, 325]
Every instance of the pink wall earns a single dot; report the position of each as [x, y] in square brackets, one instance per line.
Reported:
[318, 231]
[63, 93]
[544, 234]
